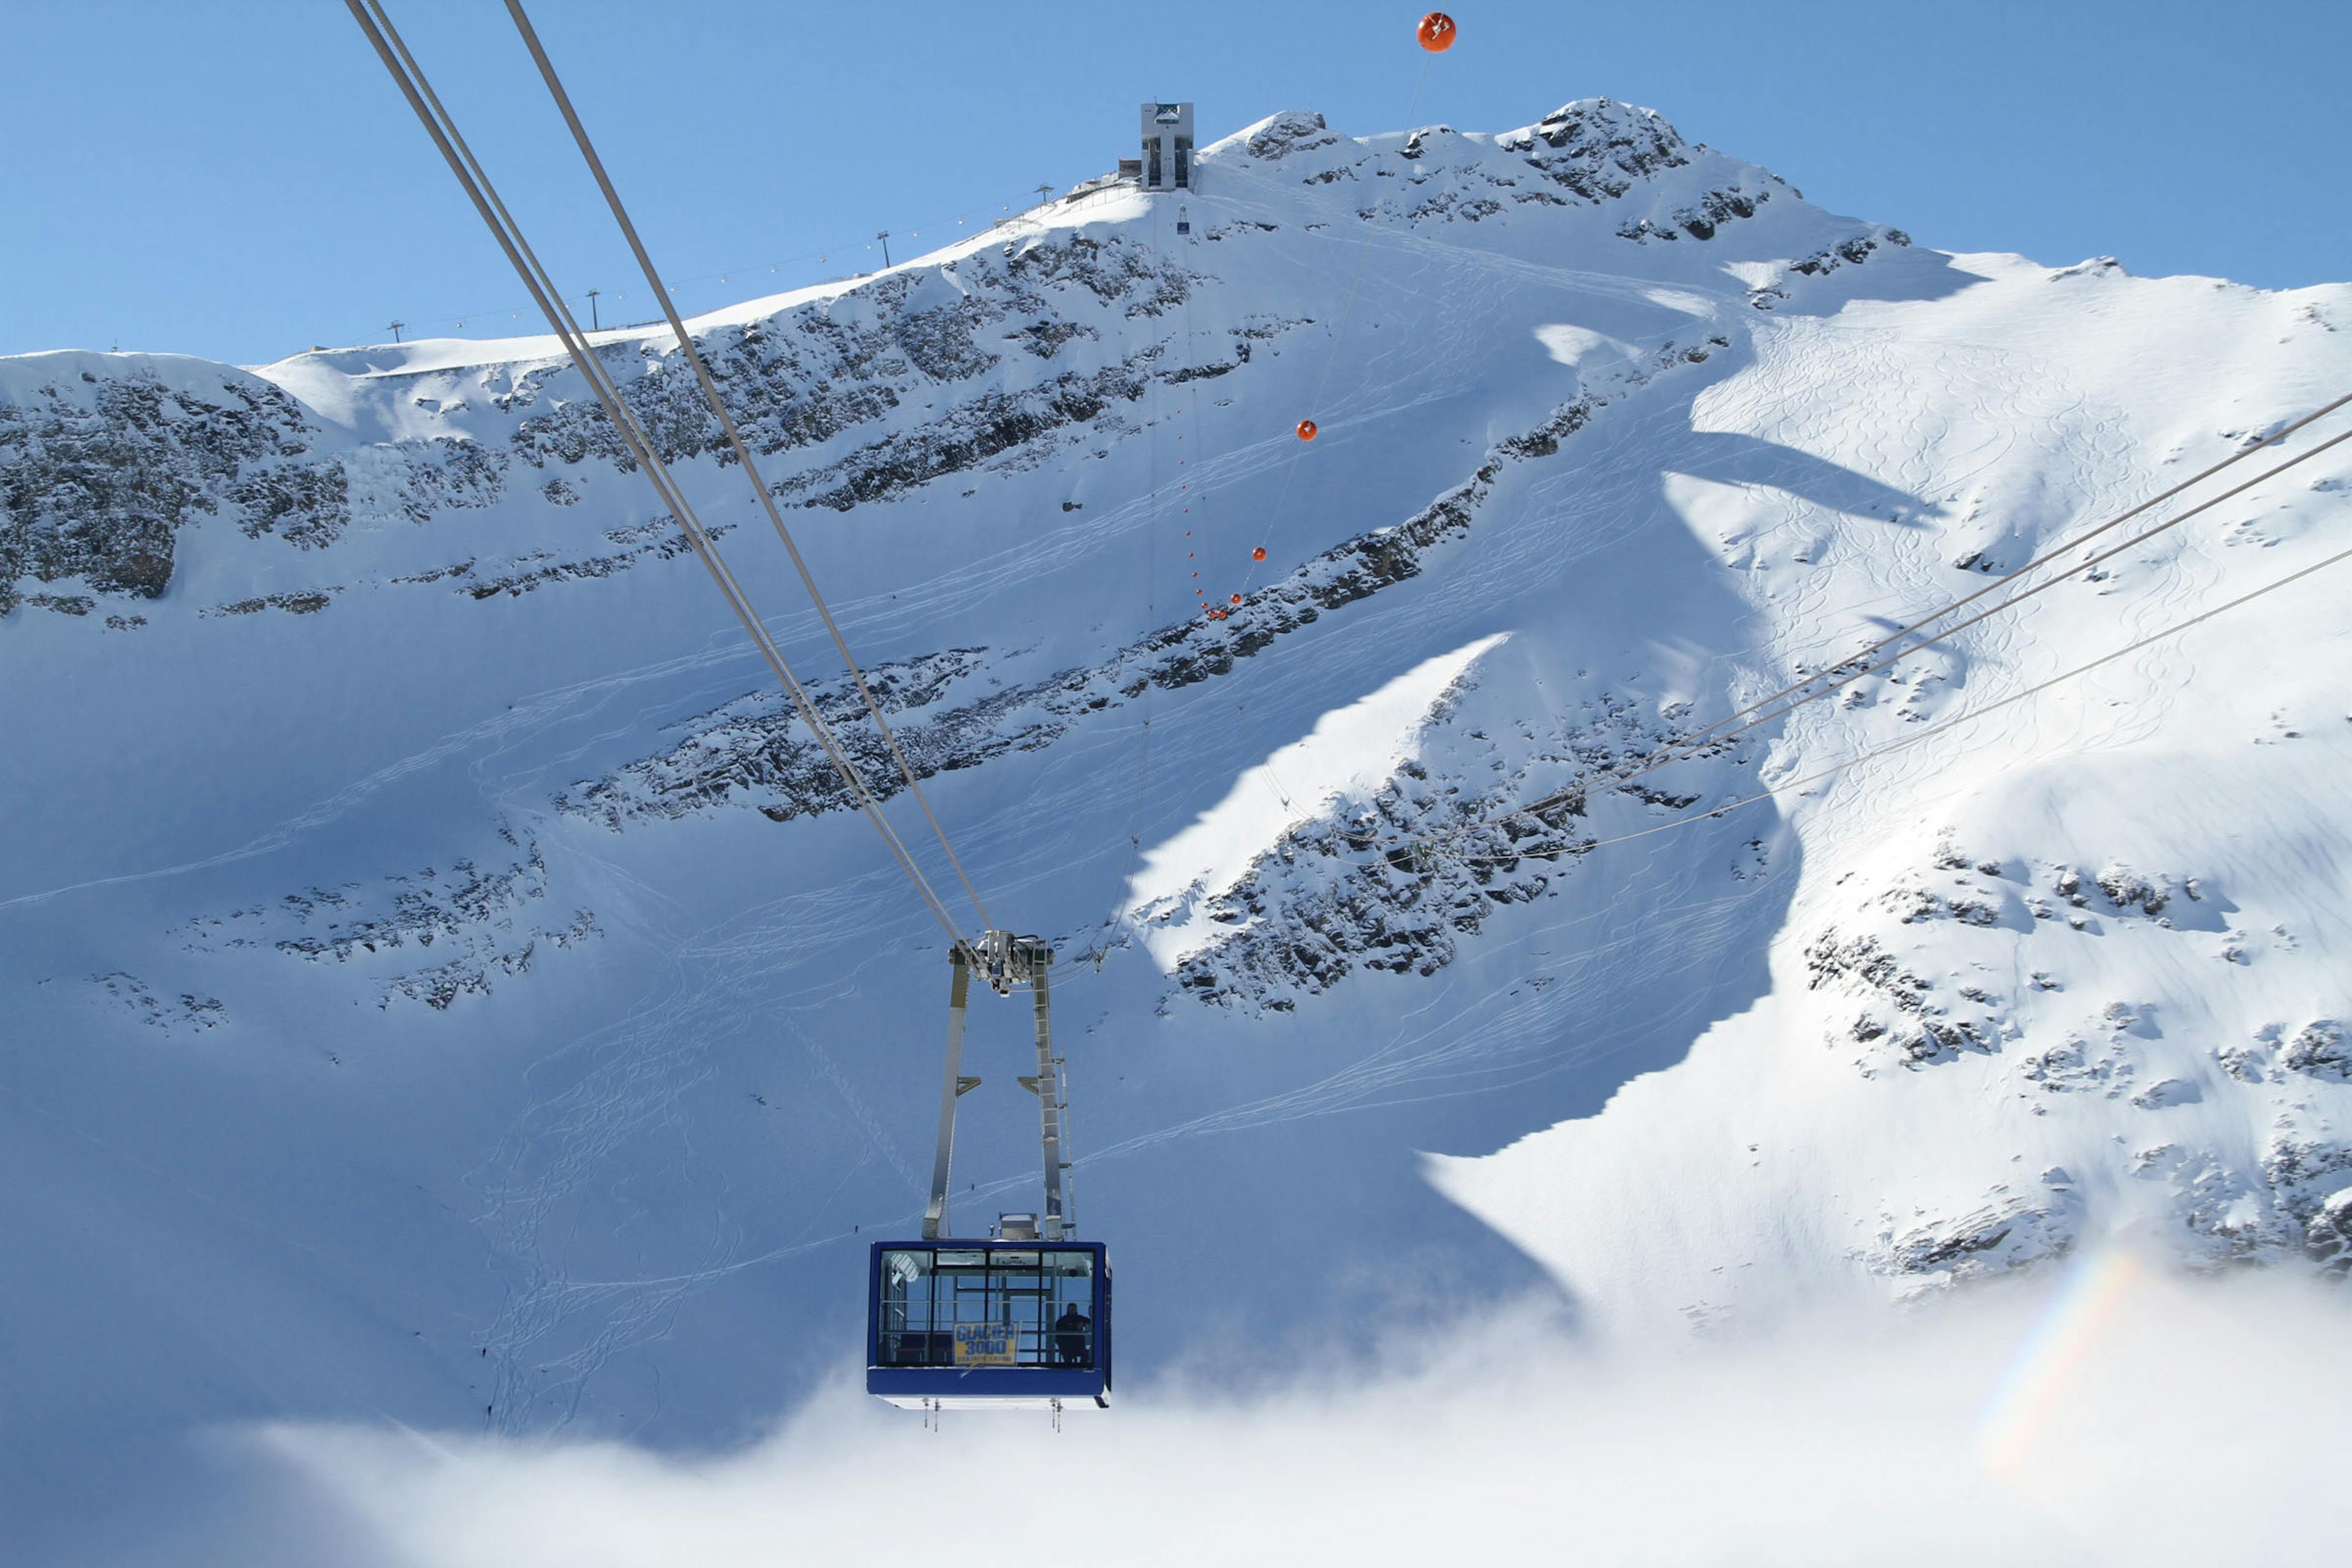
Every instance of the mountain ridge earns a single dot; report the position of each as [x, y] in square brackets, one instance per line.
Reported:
[421, 874]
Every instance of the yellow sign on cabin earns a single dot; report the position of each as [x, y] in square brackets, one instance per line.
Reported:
[984, 1345]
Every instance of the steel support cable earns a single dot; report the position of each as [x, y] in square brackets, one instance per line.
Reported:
[1346, 315]
[640, 443]
[1151, 618]
[414, 87]
[633, 434]
[1685, 746]
[734, 436]
[535, 277]
[641, 448]
[1680, 750]
[1290, 470]
[2038, 562]
[1907, 740]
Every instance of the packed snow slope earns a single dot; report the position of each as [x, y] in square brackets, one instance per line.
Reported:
[441, 980]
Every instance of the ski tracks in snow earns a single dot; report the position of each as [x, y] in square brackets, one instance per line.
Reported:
[621, 1117]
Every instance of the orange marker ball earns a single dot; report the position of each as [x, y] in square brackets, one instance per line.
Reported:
[1238, 598]
[1306, 429]
[1259, 553]
[1435, 32]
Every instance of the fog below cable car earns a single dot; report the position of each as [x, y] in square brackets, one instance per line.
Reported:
[2118, 1414]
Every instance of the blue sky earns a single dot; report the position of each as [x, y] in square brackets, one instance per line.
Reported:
[237, 179]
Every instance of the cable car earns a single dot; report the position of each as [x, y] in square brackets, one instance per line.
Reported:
[1008, 1322]
[1020, 1319]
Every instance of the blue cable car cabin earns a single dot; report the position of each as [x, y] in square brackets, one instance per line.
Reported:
[988, 1324]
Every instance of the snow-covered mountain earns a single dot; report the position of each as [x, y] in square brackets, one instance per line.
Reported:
[443, 980]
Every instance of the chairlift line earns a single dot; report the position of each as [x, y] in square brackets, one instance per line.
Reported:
[1904, 742]
[1754, 714]
[1435, 35]
[2046, 557]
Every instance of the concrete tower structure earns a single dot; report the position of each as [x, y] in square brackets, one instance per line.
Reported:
[1167, 147]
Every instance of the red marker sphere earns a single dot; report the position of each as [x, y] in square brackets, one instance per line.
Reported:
[1238, 598]
[1306, 429]
[1436, 32]
[1259, 553]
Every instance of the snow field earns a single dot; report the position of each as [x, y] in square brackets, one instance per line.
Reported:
[335, 1109]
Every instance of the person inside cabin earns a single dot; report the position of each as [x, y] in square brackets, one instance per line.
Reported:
[1070, 1336]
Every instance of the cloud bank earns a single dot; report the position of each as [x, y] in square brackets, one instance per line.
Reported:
[2114, 1416]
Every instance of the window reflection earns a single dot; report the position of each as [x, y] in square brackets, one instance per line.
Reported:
[972, 1307]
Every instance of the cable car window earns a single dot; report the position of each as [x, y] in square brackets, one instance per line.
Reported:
[969, 1308]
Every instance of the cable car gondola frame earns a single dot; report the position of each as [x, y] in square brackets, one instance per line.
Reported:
[983, 1324]
[1020, 1319]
